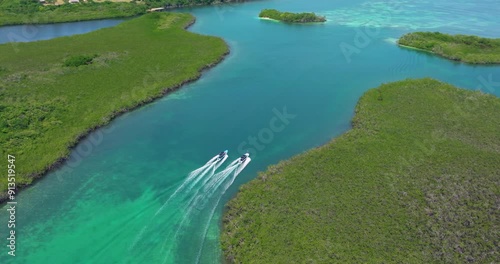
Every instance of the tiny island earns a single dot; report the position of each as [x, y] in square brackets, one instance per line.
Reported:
[464, 48]
[289, 17]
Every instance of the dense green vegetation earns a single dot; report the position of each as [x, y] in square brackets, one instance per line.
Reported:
[33, 12]
[470, 49]
[79, 60]
[45, 106]
[415, 181]
[291, 17]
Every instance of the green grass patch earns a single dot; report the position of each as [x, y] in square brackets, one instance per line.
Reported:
[45, 106]
[79, 60]
[469, 49]
[414, 181]
[291, 17]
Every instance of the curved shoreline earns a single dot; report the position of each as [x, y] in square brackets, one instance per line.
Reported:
[270, 19]
[60, 162]
[435, 54]
[456, 60]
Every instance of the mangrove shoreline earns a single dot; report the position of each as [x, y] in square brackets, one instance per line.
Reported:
[461, 48]
[414, 180]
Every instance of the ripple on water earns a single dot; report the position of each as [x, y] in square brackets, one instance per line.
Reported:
[412, 15]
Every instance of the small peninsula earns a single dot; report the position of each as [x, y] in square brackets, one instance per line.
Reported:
[54, 92]
[289, 17]
[464, 48]
[414, 181]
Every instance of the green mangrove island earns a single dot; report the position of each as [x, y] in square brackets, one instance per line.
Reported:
[54, 92]
[414, 181]
[291, 17]
[464, 48]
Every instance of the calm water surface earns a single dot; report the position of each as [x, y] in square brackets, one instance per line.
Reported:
[28, 33]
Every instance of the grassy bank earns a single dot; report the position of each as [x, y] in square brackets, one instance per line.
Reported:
[53, 92]
[414, 181]
[469, 49]
[291, 17]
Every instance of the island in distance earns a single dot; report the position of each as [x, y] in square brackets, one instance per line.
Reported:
[289, 17]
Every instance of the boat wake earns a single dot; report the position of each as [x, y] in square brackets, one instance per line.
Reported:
[199, 193]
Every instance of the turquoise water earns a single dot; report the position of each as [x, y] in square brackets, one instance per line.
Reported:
[104, 205]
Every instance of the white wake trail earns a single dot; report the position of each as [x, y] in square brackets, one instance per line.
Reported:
[205, 231]
[193, 176]
[202, 175]
[221, 175]
[205, 191]
[198, 201]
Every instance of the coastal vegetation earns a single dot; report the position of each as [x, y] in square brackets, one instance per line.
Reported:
[465, 48]
[414, 181]
[54, 92]
[291, 17]
[13, 12]
[79, 60]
